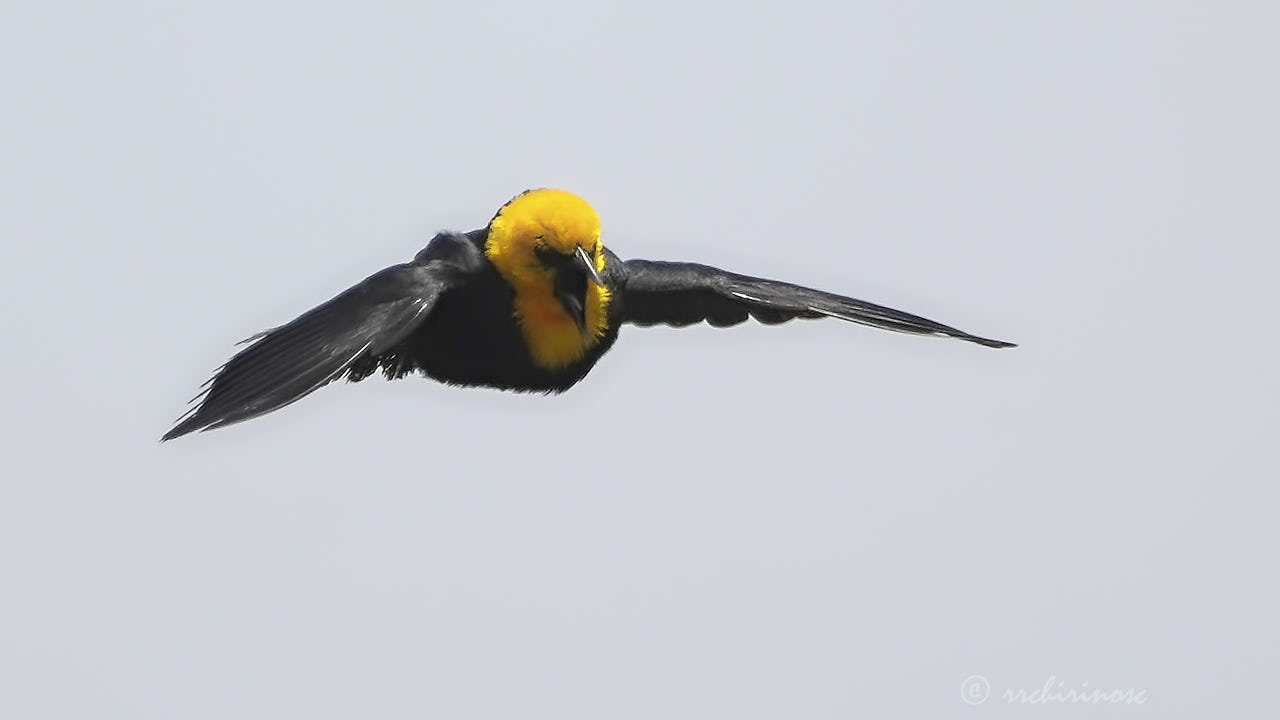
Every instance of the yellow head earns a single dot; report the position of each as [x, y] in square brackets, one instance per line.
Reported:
[546, 245]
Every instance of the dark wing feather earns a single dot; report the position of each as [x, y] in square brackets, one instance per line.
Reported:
[682, 294]
[286, 363]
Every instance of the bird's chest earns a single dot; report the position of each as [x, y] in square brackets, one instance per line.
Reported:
[553, 340]
[489, 335]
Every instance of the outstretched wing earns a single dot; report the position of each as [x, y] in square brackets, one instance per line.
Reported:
[682, 294]
[286, 363]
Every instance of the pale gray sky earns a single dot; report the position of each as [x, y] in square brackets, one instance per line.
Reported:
[809, 521]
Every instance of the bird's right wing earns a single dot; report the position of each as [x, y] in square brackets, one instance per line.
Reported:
[680, 294]
[288, 362]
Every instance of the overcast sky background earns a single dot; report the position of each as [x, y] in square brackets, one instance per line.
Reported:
[809, 521]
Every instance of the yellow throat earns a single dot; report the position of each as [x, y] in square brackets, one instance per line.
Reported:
[559, 222]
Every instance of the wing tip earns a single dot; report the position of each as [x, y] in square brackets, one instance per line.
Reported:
[182, 428]
[987, 342]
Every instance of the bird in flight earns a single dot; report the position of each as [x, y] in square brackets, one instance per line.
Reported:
[528, 303]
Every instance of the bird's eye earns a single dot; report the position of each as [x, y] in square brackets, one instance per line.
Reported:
[547, 256]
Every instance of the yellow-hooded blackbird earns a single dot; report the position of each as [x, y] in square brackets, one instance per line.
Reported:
[528, 303]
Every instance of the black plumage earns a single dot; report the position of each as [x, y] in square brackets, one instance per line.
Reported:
[675, 293]
[448, 314]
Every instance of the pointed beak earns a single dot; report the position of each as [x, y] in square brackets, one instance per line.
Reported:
[589, 264]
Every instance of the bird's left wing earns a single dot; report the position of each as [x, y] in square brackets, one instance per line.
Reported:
[286, 363]
[680, 294]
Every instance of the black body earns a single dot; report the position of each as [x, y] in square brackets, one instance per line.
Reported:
[471, 336]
